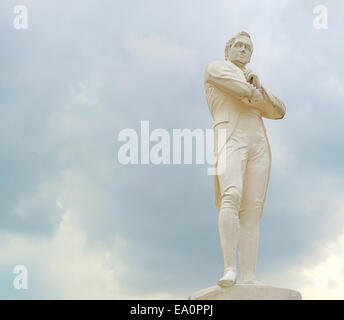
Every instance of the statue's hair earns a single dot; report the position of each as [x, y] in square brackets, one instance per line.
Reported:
[232, 40]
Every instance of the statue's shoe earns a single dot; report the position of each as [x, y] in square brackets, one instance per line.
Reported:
[252, 282]
[228, 279]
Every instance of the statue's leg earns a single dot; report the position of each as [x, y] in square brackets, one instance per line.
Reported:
[248, 245]
[229, 233]
[231, 182]
[255, 182]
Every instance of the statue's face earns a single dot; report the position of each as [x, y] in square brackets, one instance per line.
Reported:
[241, 50]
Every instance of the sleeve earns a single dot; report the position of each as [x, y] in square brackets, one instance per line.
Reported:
[223, 76]
[271, 107]
[277, 105]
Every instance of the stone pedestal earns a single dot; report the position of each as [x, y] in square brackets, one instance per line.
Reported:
[246, 292]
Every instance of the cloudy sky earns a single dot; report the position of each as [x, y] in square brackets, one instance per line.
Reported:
[87, 227]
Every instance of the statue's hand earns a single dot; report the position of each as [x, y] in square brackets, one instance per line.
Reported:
[257, 96]
[253, 79]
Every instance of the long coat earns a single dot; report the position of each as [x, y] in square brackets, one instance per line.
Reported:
[227, 92]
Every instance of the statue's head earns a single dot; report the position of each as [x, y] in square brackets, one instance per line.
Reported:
[239, 49]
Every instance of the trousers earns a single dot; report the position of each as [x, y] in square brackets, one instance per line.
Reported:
[245, 178]
[243, 185]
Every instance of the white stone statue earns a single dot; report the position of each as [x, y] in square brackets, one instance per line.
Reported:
[237, 102]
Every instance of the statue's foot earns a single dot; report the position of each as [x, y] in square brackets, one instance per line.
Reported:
[228, 279]
[252, 282]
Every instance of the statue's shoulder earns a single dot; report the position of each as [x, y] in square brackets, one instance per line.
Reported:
[216, 63]
[219, 64]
